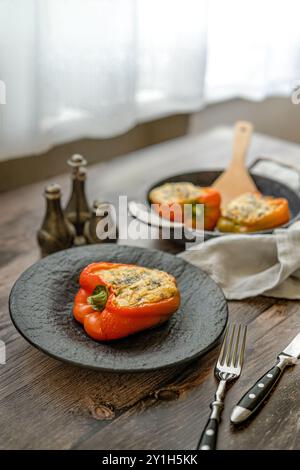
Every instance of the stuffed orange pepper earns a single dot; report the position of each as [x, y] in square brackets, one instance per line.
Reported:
[116, 300]
[170, 198]
[252, 212]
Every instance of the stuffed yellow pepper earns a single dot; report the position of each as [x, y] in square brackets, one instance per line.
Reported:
[253, 212]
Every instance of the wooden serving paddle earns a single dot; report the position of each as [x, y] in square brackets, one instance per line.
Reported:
[236, 180]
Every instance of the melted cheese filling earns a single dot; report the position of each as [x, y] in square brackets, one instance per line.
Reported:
[175, 193]
[248, 208]
[134, 285]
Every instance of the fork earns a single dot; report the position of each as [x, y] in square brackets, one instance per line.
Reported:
[227, 369]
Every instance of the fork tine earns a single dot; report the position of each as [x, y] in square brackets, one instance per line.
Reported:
[242, 350]
[229, 349]
[235, 354]
[233, 346]
[221, 357]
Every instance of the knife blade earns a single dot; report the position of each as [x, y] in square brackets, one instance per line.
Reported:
[256, 395]
[293, 349]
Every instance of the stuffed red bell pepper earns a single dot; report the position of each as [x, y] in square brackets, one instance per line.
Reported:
[117, 300]
[170, 198]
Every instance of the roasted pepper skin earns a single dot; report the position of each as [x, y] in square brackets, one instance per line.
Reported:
[114, 321]
[279, 216]
[209, 197]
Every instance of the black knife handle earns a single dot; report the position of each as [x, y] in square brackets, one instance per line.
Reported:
[256, 395]
[208, 439]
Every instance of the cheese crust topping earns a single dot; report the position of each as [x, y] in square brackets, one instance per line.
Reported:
[135, 285]
[248, 208]
[175, 193]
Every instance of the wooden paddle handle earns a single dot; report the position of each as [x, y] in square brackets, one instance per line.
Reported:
[242, 136]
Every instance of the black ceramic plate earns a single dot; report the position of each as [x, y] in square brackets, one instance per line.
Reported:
[41, 309]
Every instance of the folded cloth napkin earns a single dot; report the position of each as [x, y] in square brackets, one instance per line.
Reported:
[249, 265]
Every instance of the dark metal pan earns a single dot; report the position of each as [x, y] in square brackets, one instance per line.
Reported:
[265, 185]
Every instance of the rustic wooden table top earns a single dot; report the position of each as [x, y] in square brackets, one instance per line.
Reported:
[46, 404]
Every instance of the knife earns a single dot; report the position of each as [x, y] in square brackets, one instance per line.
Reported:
[256, 395]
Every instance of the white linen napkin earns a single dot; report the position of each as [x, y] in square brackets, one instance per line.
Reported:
[250, 265]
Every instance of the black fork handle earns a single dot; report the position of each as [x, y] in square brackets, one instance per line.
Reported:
[208, 439]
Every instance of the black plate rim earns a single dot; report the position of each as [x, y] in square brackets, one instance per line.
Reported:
[84, 365]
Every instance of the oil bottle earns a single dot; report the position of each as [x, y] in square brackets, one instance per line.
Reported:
[77, 210]
[56, 233]
[102, 225]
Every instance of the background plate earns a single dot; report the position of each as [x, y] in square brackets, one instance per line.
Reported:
[41, 309]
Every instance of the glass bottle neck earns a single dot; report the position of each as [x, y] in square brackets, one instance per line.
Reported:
[78, 193]
[54, 208]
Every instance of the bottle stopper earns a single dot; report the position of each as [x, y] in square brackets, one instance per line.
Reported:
[52, 191]
[97, 205]
[76, 161]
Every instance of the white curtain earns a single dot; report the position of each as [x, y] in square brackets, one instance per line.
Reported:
[94, 68]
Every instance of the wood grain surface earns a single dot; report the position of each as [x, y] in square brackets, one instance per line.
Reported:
[45, 404]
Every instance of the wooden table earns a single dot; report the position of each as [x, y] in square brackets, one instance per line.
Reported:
[45, 404]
